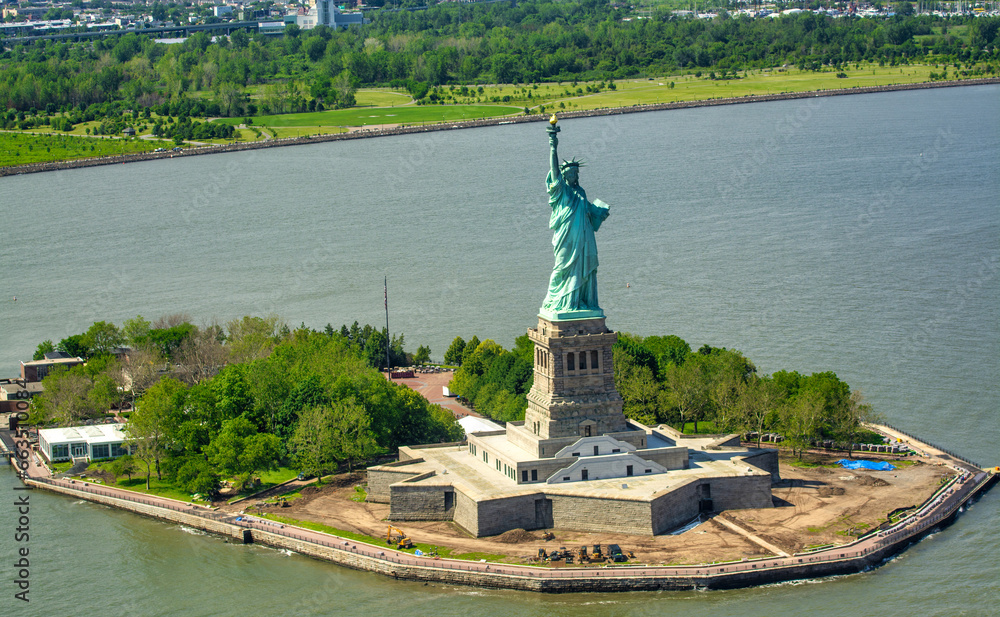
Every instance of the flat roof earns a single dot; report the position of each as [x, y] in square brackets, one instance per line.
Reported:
[456, 466]
[51, 361]
[31, 386]
[96, 433]
[472, 424]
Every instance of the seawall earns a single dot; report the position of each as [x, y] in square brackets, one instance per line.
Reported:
[863, 554]
[465, 124]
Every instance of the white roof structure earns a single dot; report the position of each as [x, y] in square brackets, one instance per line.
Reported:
[472, 424]
[97, 433]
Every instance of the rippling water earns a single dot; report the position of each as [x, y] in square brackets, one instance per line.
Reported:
[856, 234]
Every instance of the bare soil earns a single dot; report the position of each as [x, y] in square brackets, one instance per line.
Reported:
[813, 506]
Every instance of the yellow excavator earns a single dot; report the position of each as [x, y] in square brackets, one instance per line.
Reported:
[395, 535]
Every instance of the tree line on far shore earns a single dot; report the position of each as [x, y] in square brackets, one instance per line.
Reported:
[662, 381]
[120, 79]
[218, 403]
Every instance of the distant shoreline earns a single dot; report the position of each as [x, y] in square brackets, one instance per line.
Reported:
[465, 124]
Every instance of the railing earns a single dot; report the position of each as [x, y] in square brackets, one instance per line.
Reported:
[134, 498]
[935, 446]
[942, 504]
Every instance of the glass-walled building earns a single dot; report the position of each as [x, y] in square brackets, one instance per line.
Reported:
[92, 443]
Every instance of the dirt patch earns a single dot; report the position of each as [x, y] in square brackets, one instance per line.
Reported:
[516, 536]
[864, 480]
[817, 506]
[346, 479]
[103, 476]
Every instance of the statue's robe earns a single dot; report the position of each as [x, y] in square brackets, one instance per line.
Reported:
[573, 286]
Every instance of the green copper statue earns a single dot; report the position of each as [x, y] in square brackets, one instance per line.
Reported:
[573, 286]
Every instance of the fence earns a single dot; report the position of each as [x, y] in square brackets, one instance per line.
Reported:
[941, 506]
[935, 446]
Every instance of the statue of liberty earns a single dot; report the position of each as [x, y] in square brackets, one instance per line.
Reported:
[573, 286]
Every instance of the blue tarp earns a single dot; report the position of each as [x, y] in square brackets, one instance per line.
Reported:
[846, 464]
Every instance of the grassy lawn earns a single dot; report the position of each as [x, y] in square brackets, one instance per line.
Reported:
[381, 98]
[273, 478]
[137, 484]
[704, 428]
[381, 115]
[23, 148]
[691, 88]
[298, 131]
[60, 467]
[383, 106]
[163, 488]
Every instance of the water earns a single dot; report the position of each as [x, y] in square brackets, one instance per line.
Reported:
[856, 234]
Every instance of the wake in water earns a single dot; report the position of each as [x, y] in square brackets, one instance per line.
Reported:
[193, 531]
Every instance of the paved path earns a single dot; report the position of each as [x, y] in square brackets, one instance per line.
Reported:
[750, 536]
[430, 386]
[942, 504]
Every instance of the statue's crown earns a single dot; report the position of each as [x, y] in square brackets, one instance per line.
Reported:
[573, 163]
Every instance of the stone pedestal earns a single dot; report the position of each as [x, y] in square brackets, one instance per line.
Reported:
[574, 391]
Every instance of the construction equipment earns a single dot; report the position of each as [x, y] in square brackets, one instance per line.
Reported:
[615, 553]
[583, 554]
[597, 554]
[395, 535]
[548, 535]
[542, 555]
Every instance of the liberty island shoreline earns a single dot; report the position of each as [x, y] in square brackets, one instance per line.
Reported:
[866, 553]
[365, 133]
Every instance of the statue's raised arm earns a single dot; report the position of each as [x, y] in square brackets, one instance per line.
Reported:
[553, 143]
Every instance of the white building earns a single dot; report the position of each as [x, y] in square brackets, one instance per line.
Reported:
[327, 13]
[89, 442]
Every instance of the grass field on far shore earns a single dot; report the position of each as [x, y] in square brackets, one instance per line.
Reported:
[382, 106]
[24, 148]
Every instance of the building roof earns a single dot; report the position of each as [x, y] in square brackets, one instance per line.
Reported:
[47, 361]
[16, 387]
[472, 424]
[97, 433]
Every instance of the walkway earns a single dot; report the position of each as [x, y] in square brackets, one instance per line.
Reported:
[862, 553]
[431, 387]
[750, 536]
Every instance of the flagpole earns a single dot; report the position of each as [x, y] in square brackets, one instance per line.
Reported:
[388, 367]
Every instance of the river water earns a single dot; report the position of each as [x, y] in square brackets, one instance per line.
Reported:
[858, 234]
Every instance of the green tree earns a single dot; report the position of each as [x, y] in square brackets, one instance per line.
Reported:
[124, 466]
[149, 425]
[313, 444]
[854, 420]
[352, 431]
[423, 355]
[801, 421]
[43, 348]
[240, 451]
[102, 337]
[454, 354]
[75, 346]
[690, 387]
[136, 331]
[253, 338]
[65, 398]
